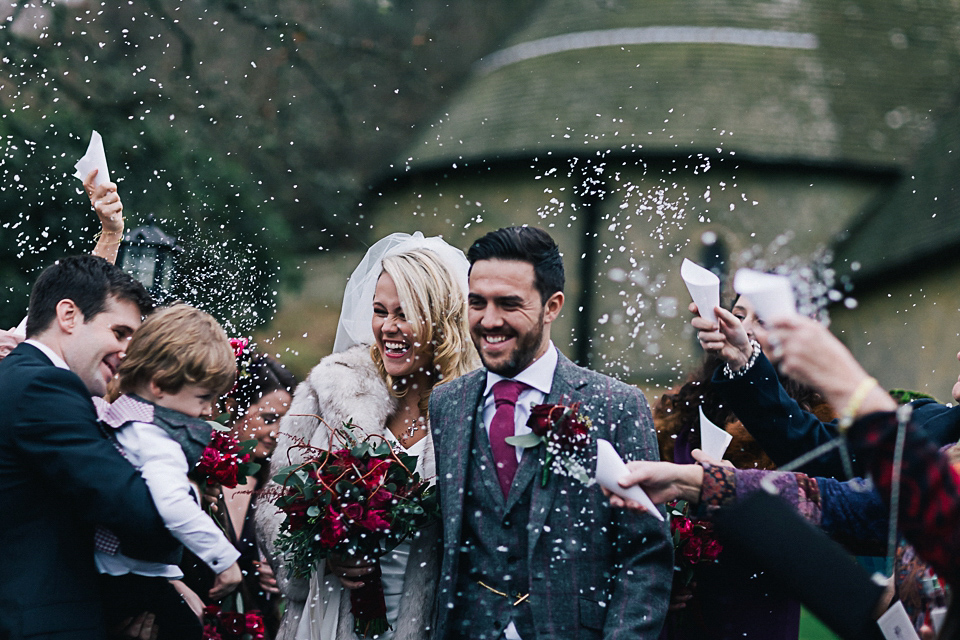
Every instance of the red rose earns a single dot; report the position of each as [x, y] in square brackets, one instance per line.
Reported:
[210, 632]
[352, 511]
[541, 418]
[238, 345]
[380, 498]
[209, 460]
[226, 474]
[332, 531]
[233, 624]
[374, 521]
[296, 515]
[682, 525]
[712, 549]
[255, 625]
[692, 550]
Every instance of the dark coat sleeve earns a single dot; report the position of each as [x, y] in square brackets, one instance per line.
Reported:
[59, 438]
[783, 430]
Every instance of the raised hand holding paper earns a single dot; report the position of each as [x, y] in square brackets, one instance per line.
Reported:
[713, 440]
[771, 295]
[610, 468]
[704, 288]
[94, 158]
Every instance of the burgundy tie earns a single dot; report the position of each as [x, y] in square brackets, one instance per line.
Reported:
[505, 394]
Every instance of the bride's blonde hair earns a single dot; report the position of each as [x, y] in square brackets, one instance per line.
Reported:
[436, 308]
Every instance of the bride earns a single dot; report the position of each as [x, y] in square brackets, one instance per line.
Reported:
[403, 330]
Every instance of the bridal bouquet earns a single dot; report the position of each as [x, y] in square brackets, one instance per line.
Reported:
[358, 498]
[226, 461]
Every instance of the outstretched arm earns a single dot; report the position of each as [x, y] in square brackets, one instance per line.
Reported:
[106, 202]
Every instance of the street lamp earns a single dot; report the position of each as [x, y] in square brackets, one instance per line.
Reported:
[149, 255]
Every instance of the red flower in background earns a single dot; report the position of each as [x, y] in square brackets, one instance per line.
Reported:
[226, 461]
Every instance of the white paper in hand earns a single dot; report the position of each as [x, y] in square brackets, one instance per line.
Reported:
[713, 440]
[771, 295]
[94, 158]
[895, 624]
[704, 288]
[610, 468]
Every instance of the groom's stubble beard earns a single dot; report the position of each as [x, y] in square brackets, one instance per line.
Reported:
[523, 354]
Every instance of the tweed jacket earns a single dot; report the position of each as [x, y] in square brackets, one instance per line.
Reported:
[343, 386]
[595, 572]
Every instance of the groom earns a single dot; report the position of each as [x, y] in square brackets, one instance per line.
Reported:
[59, 475]
[523, 560]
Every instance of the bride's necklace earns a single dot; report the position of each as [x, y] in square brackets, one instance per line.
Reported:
[411, 431]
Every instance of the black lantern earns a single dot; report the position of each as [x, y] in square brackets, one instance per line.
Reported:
[149, 255]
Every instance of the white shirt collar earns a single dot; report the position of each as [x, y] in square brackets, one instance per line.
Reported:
[47, 351]
[538, 375]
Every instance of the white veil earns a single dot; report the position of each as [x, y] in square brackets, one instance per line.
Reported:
[356, 313]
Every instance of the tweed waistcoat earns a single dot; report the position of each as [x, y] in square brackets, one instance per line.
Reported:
[494, 549]
[192, 434]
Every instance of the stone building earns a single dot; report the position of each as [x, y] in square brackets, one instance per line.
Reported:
[635, 130]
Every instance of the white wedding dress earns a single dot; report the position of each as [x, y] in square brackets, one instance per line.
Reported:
[321, 613]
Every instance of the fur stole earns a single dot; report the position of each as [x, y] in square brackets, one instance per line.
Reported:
[346, 386]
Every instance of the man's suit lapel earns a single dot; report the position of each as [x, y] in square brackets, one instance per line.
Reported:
[567, 383]
[457, 442]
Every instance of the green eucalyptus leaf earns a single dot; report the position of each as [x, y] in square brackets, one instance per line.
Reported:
[525, 441]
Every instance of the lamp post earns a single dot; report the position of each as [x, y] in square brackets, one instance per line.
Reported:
[149, 255]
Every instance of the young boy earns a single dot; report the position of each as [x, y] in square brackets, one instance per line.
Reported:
[177, 365]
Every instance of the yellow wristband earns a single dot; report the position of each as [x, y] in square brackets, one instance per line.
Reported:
[856, 399]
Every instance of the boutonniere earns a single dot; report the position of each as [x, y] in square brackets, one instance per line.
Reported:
[566, 436]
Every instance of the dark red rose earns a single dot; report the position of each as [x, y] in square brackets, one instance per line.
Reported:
[332, 531]
[712, 549]
[682, 525]
[692, 549]
[380, 498]
[233, 624]
[374, 521]
[209, 460]
[226, 473]
[210, 632]
[542, 417]
[255, 625]
[352, 511]
[296, 515]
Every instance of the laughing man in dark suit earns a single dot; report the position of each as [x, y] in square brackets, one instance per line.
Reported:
[59, 475]
[522, 559]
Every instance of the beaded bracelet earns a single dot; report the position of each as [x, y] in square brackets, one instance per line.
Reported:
[733, 375]
[856, 399]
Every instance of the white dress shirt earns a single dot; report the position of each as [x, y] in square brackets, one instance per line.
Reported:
[47, 351]
[539, 377]
[163, 466]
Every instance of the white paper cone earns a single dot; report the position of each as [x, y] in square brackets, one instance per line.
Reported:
[21, 329]
[610, 468]
[895, 623]
[771, 295]
[94, 158]
[704, 288]
[713, 440]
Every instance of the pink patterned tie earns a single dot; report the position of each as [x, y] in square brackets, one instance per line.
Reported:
[505, 394]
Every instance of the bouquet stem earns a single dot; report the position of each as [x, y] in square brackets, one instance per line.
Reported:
[368, 606]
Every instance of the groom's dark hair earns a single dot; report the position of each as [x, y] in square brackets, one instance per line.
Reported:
[527, 244]
[87, 280]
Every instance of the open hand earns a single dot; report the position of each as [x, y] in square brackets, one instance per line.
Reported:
[663, 482]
